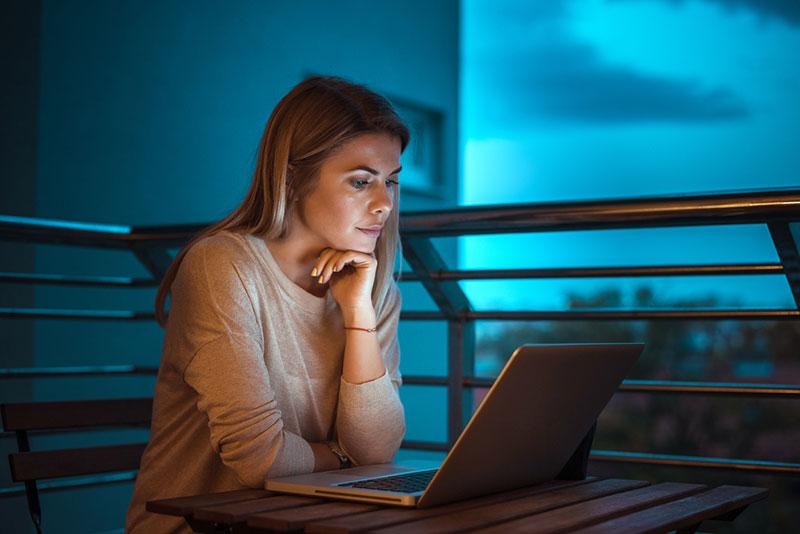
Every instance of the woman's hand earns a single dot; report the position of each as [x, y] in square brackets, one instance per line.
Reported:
[351, 275]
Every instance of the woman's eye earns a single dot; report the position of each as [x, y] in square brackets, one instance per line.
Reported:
[360, 183]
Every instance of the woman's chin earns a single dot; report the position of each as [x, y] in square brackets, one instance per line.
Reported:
[356, 245]
[368, 249]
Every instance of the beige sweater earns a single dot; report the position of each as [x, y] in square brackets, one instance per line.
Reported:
[250, 374]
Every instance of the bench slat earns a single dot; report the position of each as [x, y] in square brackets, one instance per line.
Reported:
[391, 516]
[73, 462]
[685, 512]
[296, 518]
[485, 516]
[76, 414]
[570, 518]
[185, 506]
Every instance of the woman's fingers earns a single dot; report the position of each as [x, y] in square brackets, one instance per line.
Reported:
[332, 261]
[327, 269]
[322, 261]
[353, 258]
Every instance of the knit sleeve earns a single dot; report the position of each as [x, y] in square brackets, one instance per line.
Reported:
[370, 421]
[224, 363]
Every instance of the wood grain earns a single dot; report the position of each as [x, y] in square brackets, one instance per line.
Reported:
[504, 511]
[683, 513]
[392, 515]
[570, 518]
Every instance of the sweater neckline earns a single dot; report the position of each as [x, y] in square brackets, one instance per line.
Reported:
[294, 292]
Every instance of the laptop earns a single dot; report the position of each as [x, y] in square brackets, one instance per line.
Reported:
[533, 418]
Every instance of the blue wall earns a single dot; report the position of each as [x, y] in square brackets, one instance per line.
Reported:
[151, 114]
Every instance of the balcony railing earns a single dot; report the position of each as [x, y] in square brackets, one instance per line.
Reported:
[779, 209]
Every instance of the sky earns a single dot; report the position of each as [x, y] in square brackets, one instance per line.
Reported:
[587, 99]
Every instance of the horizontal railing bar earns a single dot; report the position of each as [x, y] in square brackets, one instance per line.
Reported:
[601, 272]
[84, 370]
[710, 388]
[684, 387]
[410, 276]
[68, 280]
[745, 207]
[8, 434]
[654, 459]
[77, 482]
[737, 207]
[609, 315]
[627, 386]
[489, 315]
[418, 380]
[14, 221]
[695, 461]
[50, 313]
[645, 386]
[57, 232]
[424, 445]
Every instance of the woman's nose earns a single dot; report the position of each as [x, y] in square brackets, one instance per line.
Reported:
[383, 200]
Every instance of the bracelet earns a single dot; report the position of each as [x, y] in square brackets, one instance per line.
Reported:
[361, 329]
[344, 461]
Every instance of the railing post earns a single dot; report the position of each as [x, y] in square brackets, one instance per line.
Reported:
[460, 363]
[424, 259]
[786, 244]
[155, 259]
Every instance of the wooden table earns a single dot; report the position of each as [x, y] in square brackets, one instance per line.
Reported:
[592, 505]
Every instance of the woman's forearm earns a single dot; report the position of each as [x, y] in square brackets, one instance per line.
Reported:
[362, 352]
[370, 421]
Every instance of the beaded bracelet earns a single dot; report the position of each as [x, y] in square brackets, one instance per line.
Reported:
[361, 329]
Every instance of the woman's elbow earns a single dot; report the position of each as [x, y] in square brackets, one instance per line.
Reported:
[380, 453]
[252, 461]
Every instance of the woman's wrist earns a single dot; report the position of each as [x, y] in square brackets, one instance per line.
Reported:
[324, 458]
[344, 460]
[359, 317]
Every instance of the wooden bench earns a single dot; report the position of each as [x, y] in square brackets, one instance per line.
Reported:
[29, 466]
[591, 505]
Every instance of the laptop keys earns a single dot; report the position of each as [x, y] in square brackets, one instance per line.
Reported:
[407, 483]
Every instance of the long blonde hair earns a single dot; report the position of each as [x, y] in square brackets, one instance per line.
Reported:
[315, 118]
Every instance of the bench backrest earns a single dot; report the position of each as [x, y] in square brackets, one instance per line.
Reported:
[29, 466]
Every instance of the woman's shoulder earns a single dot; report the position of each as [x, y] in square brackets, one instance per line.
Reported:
[224, 245]
[218, 253]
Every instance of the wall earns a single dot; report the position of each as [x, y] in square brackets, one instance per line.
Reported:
[151, 114]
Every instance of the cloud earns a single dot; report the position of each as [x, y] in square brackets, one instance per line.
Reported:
[533, 70]
[786, 10]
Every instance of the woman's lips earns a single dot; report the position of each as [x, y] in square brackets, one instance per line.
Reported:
[373, 232]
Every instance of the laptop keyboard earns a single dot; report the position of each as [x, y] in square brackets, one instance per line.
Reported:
[408, 483]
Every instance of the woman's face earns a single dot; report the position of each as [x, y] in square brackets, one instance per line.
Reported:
[355, 193]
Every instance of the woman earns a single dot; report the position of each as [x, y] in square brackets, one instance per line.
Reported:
[280, 355]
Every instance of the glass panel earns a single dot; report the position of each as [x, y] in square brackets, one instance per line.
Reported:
[724, 292]
[614, 248]
[700, 425]
[412, 454]
[426, 412]
[416, 297]
[729, 351]
[423, 347]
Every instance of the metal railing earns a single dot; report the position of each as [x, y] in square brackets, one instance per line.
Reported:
[777, 208]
